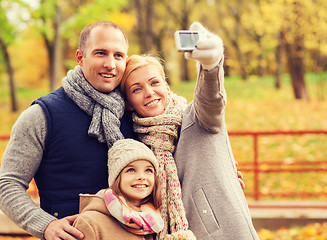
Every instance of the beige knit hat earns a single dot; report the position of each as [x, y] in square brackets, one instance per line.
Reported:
[124, 152]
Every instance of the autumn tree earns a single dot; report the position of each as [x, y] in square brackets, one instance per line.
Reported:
[293, 37]
[7, 36]
[48, 20]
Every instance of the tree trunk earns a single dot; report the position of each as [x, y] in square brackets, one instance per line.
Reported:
[144, 31]
[240, 59]
[158, 43]
[54, 51]
[295, 55]
[279, 69]
[261, 71]
[10, 72]
[185, 73]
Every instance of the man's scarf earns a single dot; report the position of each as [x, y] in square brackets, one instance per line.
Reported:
[106, 109]
[160, 133]
[143, 222]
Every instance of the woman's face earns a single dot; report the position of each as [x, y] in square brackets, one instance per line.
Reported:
[146, 91]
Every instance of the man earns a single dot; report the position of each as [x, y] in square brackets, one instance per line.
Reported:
[62, 139]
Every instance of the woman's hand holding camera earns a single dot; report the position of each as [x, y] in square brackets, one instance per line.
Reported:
[209, 51]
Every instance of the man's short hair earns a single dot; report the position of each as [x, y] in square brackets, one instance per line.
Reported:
[86, 32]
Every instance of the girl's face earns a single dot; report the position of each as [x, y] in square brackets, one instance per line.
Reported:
[146, 91]
[137, 181]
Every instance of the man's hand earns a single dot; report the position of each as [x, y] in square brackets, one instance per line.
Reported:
[209, 51]
[240, 177]
[63, 229]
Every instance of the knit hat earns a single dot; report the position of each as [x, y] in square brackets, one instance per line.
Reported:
[125, 151]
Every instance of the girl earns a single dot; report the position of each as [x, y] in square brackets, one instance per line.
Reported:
[214, 200]
[129, 208]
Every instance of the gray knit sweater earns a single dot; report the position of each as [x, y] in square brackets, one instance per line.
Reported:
[19, 164]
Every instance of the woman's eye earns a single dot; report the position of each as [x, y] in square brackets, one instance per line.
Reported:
[154, 83]
[136, 90]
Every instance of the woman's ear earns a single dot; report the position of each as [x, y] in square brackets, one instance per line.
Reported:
[168, 88]
[129, 107]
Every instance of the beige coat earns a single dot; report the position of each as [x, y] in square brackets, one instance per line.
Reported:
[96, 222]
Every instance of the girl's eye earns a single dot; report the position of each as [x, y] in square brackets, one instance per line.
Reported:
[149, 170]
[130, 170]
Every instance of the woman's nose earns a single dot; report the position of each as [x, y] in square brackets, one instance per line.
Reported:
[149, 92]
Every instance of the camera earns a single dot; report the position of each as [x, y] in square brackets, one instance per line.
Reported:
[186, 40]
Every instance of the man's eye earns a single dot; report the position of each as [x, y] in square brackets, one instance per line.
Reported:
[119, 55]
[99, 53]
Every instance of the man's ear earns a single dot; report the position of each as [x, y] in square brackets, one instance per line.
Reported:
[79, 57]
[129, 107]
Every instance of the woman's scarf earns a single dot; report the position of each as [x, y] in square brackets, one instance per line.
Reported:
[106, 109]
[160, 133]
[147, 221]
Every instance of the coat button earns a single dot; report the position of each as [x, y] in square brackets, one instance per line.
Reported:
[56, 214]
[204, 211]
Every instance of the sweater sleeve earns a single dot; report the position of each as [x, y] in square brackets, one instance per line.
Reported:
[19, 164]
[210, 98]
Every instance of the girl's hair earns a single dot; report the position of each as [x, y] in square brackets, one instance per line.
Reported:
[154, 198]
[138, 61]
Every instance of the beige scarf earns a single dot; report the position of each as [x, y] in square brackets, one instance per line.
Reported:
[160, 133]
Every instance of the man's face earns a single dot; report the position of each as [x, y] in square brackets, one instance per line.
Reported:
[104, 59]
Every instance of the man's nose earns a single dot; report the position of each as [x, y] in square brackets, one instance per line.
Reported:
[110, 62]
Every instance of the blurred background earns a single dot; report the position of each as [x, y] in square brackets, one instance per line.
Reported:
[275, 78]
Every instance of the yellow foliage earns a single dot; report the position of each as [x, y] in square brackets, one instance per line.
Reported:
[30, 61]
[124, 20]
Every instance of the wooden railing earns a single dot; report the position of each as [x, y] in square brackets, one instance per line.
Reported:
[259, 166]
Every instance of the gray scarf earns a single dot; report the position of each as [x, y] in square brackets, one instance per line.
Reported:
[106, 109]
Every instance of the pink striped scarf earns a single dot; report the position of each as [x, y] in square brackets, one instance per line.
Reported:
[147, 221]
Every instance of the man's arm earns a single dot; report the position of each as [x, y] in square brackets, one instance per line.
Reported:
[19, 164]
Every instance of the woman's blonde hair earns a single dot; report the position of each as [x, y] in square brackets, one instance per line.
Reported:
[154, 198]
[138, 61]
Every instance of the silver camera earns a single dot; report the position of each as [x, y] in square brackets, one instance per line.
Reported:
[186, 40]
